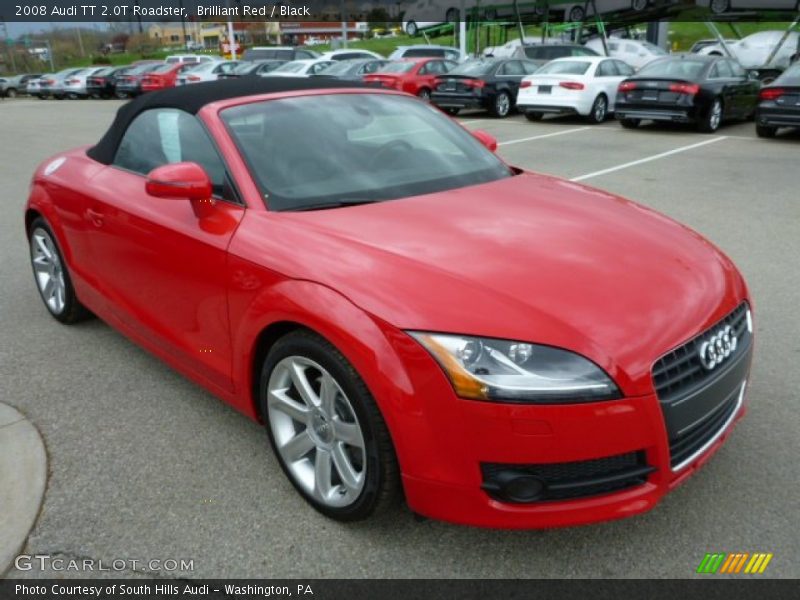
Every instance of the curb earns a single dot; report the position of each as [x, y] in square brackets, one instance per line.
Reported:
[23, 476]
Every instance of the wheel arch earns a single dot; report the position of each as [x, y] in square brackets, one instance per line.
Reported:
[361, 338]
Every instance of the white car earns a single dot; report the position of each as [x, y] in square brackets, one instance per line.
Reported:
[507, 50]
[719, 7]
[302, 68]
[427, 51]
[752, 51]
[207, 71]
[75, 84]
[353, 54]
[575, 85]
[576, 10]
[190, 58]
[636, 53]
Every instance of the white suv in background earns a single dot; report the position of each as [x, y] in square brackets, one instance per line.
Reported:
[190, 58]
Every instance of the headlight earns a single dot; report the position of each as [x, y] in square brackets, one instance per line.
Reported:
[488, 369]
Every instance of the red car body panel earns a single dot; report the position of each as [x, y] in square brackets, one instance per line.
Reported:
[152, 82]
[410, 82]
[199, 285]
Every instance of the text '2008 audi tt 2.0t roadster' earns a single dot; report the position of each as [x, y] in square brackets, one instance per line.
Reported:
[407, 314]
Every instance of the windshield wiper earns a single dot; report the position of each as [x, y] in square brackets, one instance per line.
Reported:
[335, 204]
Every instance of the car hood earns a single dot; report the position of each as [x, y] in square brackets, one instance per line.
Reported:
[529, 257]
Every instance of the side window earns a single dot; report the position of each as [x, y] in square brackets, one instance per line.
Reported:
[606, 69]
[425, 69]
[736, 69]
[512, 67]
[162, 136]
[721, 70]
[529, 67]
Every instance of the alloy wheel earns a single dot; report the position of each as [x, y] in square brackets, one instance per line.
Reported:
[502, 104]
[719, 6]
[48, 270]
[600, 109]
[316, 431]
[425, 94]
[715, 117]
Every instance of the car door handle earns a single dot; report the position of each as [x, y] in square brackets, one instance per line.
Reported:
[95, 217]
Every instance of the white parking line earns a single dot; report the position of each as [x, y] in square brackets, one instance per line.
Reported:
[545, 135]
[648, 159]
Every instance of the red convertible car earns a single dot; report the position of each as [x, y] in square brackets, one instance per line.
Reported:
[407, 314]
[415, 76]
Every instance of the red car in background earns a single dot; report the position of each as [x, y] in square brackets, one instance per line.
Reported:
[164, 76]
[413, 75]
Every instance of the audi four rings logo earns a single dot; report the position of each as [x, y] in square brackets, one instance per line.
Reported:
[718, 347]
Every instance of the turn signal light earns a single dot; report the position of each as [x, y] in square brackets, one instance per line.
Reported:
[684, 88]
[771, 93]
[626, 86]
[571, 85]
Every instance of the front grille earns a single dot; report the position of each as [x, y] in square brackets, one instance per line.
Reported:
[688, 443]
[681, 370]
[562, 481]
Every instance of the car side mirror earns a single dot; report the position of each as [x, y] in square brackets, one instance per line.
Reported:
[184, 180]
[485, 138]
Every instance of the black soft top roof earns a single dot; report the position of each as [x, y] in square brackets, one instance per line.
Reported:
[191, 98]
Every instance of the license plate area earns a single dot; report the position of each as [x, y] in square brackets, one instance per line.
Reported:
[545, 89]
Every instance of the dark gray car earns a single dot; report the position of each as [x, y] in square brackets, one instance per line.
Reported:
[352, 70]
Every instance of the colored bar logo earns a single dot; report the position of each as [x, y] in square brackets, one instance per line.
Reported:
[734, 562]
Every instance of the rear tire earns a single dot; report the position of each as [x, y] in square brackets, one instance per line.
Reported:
[599, 110]
[639, 5]
[630, 123]
[534, 116]
[51, 275]
[711, 121]
[11, 93]
[411, 29]
[424, 94]
[764, 131]
[501, 107]
[347, 468]
[576, 14]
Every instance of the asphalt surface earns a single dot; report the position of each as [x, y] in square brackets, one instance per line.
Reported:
[145, 465]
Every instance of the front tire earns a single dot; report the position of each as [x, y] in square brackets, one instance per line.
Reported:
[764, 131]
[326, 429]
[501, 106]
[576, 14]
[52, 276]
[411, 29]
[639, 5]
[599, 110]
[11, 93]
[424, 94]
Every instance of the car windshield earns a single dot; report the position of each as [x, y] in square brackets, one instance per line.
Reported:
[674, 69]
[564, 67]
[164, 68]
[474, 68]
[335, 149]
[396, 67]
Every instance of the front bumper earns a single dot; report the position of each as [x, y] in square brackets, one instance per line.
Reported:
[450, 447]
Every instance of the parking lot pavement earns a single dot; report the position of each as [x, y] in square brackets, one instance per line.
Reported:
[145, 465]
